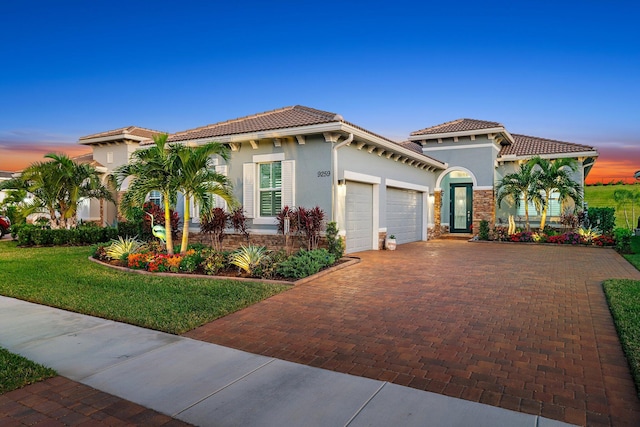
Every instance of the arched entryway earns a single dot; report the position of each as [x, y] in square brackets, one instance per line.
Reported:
[455, 187]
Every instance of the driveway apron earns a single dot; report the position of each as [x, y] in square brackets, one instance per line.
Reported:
[522, 327]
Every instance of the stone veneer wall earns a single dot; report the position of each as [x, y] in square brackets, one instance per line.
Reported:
[274, 242]
[437, 229]
[484, 207]
[382, 238]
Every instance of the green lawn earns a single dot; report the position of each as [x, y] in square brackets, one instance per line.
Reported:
[601, 196]
[17, 372]
[623, 297]
[63, 277]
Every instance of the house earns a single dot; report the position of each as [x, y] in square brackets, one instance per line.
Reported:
[440, 180]
[4, 176]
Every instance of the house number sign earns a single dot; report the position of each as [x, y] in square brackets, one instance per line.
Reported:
[322, 174]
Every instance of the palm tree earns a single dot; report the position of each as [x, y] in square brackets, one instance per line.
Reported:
[77, 181]
[516, 185]
[555, 175]
[151, 169]
[57, 186]
[623, 197]
[198, 180]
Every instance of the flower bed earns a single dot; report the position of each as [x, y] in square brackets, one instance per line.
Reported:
[585, 238]
[246, 262]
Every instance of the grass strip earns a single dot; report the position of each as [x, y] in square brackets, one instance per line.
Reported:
[17, 372]
[63, 277]
[623, 296]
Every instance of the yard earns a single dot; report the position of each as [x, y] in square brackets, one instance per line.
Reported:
[63, 277]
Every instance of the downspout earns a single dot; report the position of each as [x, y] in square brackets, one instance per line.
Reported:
[334, 173]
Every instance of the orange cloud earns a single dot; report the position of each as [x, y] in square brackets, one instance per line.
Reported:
[16, 159]
[615, 164]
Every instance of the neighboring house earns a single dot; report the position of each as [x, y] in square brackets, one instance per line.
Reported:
[94, 210]
[370, 185]
[4, 176]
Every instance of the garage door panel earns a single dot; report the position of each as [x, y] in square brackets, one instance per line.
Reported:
[359, 216]
[404, 214]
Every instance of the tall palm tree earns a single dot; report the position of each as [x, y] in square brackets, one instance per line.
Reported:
[198, 180]
[555, 176]
[151, 169]
[516, 185]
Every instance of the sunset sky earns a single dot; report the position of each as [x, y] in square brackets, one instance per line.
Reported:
[562, 70]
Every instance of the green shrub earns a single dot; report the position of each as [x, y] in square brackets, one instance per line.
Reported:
[191, 262]
[305, 263]
[267, 269]
[31, 234]
[335, 243]
[213, 262]
[483, 233]
[129, 228]
[602, 218]
[622, 237]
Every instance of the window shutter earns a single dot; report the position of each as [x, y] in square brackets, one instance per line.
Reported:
[219, 201]
[248, 189]
[288, 183]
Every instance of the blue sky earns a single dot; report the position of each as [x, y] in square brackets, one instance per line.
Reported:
[567, 70]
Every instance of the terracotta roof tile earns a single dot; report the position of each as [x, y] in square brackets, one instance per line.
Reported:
[410, 145]
[6, 174]
[86, 159]
[459, 125]
[131, 130]
[286, 117]
[524, 145]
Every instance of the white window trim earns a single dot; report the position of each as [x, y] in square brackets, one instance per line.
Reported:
[266, 158]
[287, 188]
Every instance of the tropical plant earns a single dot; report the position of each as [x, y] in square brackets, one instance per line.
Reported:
[334, 242]
[588, 234]
[517, 185]
[554, 176]
[198, 180]
[249, 257]
[623, 199]
[57, 187]
[483, 233]
[305, 263]
[214, 222]
[310, 223]
[119, 249]
[151, 169]
[238, 221]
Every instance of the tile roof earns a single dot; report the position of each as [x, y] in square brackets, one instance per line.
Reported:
[410, 145]
[130, 130]
[524, 145]
[459, 125]
[6, 174]
[86, 158]
[286, 117]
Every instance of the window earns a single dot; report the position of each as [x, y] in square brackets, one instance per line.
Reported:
[554, 208]
[155, 197]
[270, 188]
[110, 157]
[268, 184]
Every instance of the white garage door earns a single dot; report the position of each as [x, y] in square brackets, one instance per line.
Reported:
[359, 217]
[404, 215]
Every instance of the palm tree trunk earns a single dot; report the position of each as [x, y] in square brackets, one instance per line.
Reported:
[543, 219]
[526, 211]
[167, 224]
[185, 226]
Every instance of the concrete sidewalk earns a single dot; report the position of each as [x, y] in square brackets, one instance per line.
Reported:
[206, 384]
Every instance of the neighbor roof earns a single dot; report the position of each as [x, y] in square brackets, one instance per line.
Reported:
[524, 145]
[122, 133]
[459, 125]
[286, 117]
[87, 159]
[6, 174]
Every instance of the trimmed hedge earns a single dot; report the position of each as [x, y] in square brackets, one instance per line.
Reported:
[33, 235]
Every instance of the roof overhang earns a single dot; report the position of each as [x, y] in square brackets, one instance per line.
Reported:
[514, 158]
[113, 138]
[488, 131]
[335, 127]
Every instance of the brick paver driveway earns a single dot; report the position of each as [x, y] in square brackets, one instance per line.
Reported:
[522, 327]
